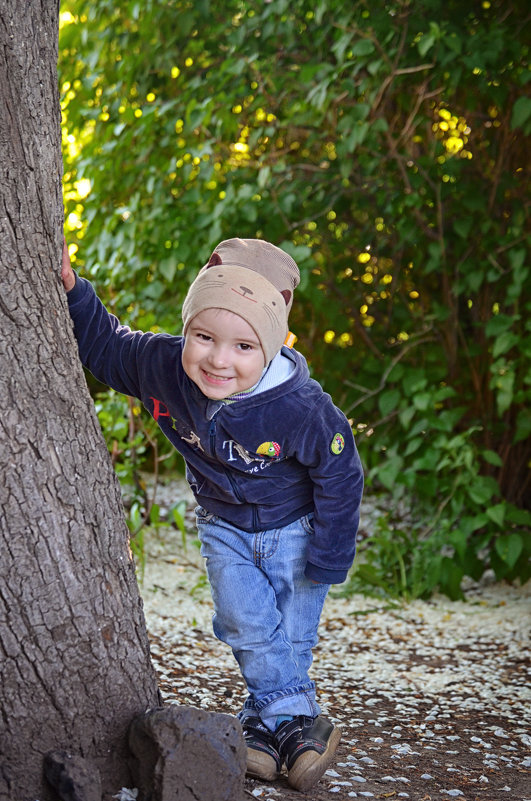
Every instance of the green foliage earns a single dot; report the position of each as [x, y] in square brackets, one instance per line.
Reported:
[177, 514]
[134, 447]
[405, 558]
[383, 144]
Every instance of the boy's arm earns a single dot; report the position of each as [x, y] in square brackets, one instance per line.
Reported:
[109, 350]
[329, 450]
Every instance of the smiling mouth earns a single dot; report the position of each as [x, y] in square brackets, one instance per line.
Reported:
[217, 378]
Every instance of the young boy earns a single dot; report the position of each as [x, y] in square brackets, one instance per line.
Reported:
[274, 469]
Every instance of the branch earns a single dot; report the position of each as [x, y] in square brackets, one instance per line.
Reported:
[371, 393]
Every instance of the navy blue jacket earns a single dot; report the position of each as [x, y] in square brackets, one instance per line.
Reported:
[259, 463]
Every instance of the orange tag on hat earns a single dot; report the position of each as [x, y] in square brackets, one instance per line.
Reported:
[290, 340]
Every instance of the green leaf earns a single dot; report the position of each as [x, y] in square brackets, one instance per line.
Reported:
[458, 539]
[339, 47]
[396, 373]
[503, 343]
[451, 575]
[298, 253]
[428, 461]
[463, 226]
[496, 513]
[420, 427]
[481, 489]
[503, 381]
[426, 485]
[168, 268]
[135, 516]
[521, 113]
[414, 381]
[356, 136]
[523, 426]
[499, 324]
[519, 516]
[470, 523]
[388, 472]
[422, 401]
[264, 175]
[388, 401]
[362, 48]
[413, 445]
[154, 513]
[492, 458]
[447, 419]
[426, 43]
[443, 394]
[434, 260]
[509, 548]
[373, 67]
[406, 415]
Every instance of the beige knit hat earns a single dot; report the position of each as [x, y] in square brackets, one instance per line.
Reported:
[252, 278]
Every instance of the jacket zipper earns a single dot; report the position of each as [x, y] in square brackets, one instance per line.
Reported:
[212, 437]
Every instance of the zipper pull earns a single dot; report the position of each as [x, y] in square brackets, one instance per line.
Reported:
[212, 436]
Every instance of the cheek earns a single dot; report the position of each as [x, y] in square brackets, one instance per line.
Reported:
[187, 359]
[257, 367]
[257, 362]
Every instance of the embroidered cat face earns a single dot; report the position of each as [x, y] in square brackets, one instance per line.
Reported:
[219, 279]
[274, 273]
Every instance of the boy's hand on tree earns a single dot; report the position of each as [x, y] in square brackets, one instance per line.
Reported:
[67, 274]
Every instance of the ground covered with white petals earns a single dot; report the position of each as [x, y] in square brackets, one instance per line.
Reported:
[433, 697]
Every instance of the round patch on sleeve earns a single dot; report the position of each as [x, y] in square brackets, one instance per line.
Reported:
[337, 444]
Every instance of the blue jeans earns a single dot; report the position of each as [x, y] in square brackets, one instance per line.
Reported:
[266, 611]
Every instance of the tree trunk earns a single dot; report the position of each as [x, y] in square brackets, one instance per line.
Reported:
[74, 655]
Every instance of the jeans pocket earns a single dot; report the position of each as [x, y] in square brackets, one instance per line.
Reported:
[203, 515]
[307, 524]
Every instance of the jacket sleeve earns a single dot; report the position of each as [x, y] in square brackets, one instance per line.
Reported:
[328, 449]
[108, 349]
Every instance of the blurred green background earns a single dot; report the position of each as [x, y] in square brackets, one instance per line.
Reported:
[382, 144]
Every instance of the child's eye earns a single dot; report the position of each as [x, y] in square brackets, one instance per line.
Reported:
[204, 337]
[245, 346]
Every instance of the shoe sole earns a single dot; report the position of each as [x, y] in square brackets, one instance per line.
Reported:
[308, 769]
[260, 766]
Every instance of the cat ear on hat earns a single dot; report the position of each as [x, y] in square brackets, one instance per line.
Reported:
[214, 260]
[287, 295]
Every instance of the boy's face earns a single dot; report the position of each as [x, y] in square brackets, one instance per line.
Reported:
[222, 353]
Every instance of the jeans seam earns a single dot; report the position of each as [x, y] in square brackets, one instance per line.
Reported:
[258, 554]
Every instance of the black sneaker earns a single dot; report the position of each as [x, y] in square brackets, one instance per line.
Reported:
[307, 745]
[263, 760]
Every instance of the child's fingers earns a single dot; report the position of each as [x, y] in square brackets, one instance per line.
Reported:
[67, 274]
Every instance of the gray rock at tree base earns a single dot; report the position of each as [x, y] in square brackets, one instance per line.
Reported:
[185, 754]
[73, 777]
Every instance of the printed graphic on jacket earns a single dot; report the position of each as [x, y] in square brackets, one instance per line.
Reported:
[186, 434]
[269, 449]
[231, 449]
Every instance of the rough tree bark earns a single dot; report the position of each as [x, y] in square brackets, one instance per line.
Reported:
[74, 655]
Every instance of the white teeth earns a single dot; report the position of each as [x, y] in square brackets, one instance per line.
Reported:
[217, 377]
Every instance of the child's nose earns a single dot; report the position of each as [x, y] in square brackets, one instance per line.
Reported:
[219, 356]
